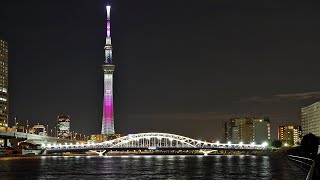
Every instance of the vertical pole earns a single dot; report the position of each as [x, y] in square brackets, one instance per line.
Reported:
[27, 130]
[5, 141]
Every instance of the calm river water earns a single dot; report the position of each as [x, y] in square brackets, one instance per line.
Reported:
[149, 167]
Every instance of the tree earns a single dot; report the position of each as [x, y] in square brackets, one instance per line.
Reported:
[276, 143]
[310, 143]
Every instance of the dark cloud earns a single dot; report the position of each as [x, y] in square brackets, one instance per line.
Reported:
[277, 98]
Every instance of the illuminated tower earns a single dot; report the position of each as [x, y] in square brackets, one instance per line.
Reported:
[108, 68]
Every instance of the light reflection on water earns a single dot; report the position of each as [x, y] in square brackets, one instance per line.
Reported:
[149, 167]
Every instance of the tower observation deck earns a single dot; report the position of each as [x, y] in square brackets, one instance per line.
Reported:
[108, 68]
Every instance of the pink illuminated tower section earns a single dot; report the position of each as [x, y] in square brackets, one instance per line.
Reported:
[108, 68]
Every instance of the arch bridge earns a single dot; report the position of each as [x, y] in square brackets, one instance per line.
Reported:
[153, 141]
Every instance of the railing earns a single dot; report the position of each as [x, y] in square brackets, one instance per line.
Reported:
[304, 163]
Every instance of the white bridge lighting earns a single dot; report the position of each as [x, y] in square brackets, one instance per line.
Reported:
[157, 140]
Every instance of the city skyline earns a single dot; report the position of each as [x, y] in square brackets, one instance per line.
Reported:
[172, 76]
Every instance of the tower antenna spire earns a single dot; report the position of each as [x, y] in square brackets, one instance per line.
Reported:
[108, 7]
[108, 45]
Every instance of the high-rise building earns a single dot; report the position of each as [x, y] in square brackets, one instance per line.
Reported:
[310, 119]
[4, 97]
[247, 130]
[63, 126]
[289, 135]
[108, 68]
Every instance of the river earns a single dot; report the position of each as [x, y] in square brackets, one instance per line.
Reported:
[149, 167]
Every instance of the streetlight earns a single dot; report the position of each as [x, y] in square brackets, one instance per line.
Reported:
[27, 131]
[55, 131]
[265, 144]
[51, 133]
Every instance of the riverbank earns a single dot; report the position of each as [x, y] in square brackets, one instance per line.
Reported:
[125, 154]
[279, 153]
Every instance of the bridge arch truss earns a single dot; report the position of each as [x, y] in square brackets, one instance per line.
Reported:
[155, 140]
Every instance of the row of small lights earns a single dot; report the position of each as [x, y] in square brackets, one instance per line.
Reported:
[264, 144]
[66, 144]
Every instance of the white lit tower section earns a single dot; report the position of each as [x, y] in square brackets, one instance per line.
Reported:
[108, 68]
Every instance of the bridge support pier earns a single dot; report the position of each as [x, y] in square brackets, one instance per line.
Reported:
[44, 152]
[206, 152]
[6, 142]
[100, 153]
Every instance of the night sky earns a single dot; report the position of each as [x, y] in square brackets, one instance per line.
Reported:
[182, 66]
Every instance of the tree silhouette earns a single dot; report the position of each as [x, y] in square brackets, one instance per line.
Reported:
[276, 143]
[310, 143]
